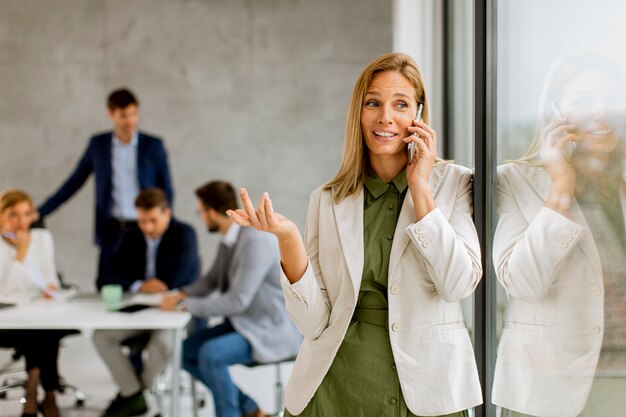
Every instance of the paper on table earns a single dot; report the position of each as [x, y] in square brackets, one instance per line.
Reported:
[148, 299]
[42, 282]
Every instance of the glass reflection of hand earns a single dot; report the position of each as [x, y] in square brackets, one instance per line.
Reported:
[556, 138]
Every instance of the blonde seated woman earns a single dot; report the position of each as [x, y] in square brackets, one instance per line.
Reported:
[27, 271]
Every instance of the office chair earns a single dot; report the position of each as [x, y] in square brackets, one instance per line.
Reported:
[15, 377]
[279, 404]
[135, 346]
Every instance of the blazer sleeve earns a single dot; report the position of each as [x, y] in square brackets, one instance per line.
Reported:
[185, 260]
[72, 184]
[165, 178]
[450, 248]
[204, 285]
[307, 300]
[526, 255]
[257, 258]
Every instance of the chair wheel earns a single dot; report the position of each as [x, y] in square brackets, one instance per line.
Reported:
[79, 403]
[201, 403]
[3, 395]
[157, 415]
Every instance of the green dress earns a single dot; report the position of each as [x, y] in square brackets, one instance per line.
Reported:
[362, 380]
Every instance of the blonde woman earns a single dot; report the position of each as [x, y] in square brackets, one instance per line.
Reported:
[389, 252]
[27, 271]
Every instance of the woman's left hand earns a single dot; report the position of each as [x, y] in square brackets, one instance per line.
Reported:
[418, 170]
[50, 291]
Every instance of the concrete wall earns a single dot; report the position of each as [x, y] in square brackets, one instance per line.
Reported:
[253, 91]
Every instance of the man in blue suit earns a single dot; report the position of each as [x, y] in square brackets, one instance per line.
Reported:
[161, 255]
[124, 162]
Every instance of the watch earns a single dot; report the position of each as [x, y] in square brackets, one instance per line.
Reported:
[181, 305]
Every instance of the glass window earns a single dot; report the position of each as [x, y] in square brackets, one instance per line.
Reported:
[559, 248]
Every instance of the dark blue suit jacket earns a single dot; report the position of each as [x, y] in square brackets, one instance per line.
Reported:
[177, 262]
[152, 169]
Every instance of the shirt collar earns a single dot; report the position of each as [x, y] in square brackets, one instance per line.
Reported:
[134, 140]
[153, 242]
[377, 187]
[230, 238]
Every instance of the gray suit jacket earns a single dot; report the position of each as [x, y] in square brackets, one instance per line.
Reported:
[254, 301]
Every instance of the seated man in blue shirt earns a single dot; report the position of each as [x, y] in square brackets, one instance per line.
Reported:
[161, 255]
[243, 287]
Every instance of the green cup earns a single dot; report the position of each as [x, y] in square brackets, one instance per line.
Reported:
[112, 296]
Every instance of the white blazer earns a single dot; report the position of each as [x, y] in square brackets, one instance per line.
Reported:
[553, 324]
[434, 263]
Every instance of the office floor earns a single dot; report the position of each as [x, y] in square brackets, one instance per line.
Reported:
[80, 365]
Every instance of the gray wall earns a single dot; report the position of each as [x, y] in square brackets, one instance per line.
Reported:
[254, 92]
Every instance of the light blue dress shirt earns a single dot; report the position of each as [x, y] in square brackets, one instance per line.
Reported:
[152, 246]
[125, 178]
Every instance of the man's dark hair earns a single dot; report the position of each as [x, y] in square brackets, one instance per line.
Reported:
[151, 198]
[121, 98]
[218, 195]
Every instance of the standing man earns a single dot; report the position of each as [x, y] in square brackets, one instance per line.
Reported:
[124, 161]
[243, 286]
[161, 255]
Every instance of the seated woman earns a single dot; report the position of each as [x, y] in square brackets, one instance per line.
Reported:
[27, 271]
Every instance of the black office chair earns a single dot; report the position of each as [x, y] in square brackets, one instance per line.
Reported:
[14, 375]
[279, 404]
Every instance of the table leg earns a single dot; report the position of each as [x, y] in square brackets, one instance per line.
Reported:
[177, 352]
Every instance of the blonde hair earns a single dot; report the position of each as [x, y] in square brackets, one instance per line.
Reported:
[12, 197]
[562, 72]
[350, 177]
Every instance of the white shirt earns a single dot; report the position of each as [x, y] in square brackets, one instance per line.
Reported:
[230, 238]
[22, 280]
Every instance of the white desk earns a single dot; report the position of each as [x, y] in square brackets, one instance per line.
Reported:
[91, 314]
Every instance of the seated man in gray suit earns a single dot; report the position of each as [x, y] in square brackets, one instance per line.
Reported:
[242, 286]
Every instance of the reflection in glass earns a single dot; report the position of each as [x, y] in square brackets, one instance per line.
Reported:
[559, 249]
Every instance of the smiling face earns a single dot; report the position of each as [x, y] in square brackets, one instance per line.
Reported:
[389, 107]
[591, 102]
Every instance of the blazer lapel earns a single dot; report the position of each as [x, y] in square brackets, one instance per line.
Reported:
[349, 220]
[141, 151]
[106, 153]
[407, 217]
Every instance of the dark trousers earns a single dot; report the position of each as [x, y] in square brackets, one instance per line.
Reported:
[111, 238]
[40, 348]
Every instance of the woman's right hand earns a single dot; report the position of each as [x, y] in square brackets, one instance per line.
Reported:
[21, 241]
[264, 218]
[555, 140]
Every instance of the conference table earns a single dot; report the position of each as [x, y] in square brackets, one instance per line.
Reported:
[88, 312]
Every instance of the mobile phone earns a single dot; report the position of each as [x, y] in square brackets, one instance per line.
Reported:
[132, 308]
[9, 235]
[412, 146]
[570, 147]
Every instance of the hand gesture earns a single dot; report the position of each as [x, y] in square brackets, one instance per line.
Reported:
[264, 218]
[170, 301]
[153, 285]
[21, 240]
[557, 143]
[425, 139]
